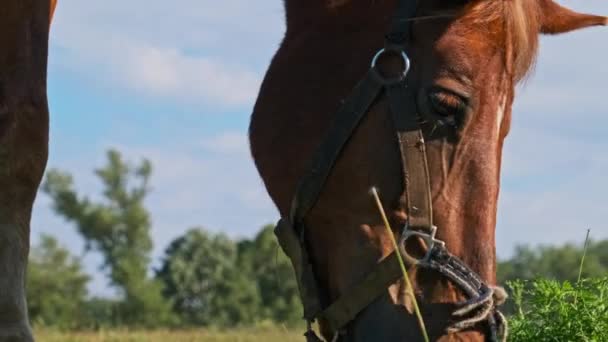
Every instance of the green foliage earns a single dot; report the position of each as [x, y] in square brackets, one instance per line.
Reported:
[213, 281]
[56, 285]
[119, 229]
[266, 263]
[555, 262]
[210, 280]
[99, 313]
[548, 310]
[201, 279]
[205, 279]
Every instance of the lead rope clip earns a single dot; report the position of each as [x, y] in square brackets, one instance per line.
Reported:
[311, 335]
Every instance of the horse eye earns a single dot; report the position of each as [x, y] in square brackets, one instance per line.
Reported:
[446, 103]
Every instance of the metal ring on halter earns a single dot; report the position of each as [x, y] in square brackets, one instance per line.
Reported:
[428, 238]
[404, 58]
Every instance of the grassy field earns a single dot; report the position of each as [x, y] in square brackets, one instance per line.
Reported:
[239, 335]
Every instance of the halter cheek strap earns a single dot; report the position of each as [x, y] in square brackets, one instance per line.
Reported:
[482, 300]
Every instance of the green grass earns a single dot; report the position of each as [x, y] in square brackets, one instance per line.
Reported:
[270, 334]
[545, 311]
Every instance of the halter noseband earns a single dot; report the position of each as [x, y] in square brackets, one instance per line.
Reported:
[482, 300]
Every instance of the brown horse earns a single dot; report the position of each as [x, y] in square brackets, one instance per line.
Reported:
[466, 58]
[23, 148]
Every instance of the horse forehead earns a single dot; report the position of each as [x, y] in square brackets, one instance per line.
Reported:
[459, 39]
[477, 57]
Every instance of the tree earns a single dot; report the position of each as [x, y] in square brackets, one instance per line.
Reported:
[201, 278]
[265, 262]
[555, 262]
[99, 313]
[56, 285]
[119, 228]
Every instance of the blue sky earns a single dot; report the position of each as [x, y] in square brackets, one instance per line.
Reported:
[175, 82]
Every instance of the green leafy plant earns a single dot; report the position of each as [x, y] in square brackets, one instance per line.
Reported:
[548, 310]
[54, 275]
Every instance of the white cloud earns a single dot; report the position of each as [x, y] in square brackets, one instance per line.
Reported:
[199, 52]
[555, 157]
[553, 190]
[228, 143]
[172, 74]
[212, 53]
[167, 73]
[214, 185]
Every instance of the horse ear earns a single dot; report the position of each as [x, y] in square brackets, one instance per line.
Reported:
[52, 6]
[556, 19]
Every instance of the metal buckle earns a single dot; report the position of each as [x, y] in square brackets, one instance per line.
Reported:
[406, 65]
[428, 238]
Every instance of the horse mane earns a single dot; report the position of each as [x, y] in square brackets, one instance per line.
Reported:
[515, 25]
[518, 24]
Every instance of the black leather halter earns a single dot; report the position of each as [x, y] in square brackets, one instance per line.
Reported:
[482, 300]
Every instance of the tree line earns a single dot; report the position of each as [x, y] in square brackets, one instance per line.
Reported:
[205, 278]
